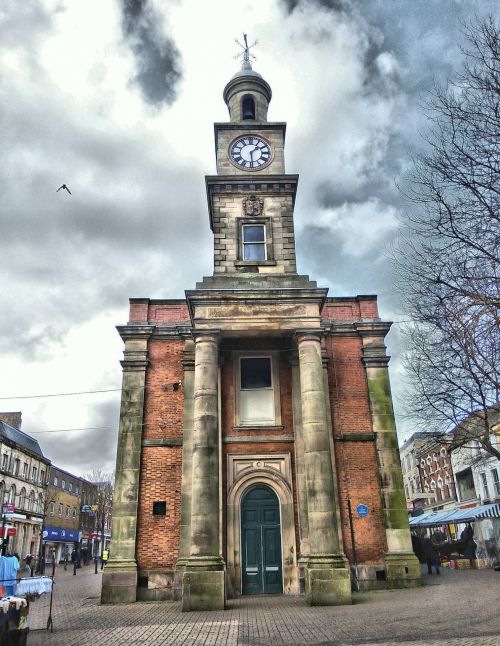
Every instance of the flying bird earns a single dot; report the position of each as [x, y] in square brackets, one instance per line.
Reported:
[65, 187]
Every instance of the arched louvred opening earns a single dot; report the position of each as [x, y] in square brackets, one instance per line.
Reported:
[248, 107]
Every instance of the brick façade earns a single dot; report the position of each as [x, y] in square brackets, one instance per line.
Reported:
[161, 462]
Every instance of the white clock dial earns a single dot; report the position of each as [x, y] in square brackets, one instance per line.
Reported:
[250, 152]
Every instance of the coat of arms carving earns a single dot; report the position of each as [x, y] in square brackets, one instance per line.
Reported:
[253, 205]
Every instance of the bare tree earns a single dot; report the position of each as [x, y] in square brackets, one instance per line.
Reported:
[448, 258]
[101, 501]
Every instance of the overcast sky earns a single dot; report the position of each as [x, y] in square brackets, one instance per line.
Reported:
[117, 99]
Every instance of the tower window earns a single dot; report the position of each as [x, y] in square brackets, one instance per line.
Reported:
[248, 107]
[254, 242]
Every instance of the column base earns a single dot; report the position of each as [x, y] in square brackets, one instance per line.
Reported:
[327, 581]
[180, 568]
[402, 570]
[203, 584]
[119, 582]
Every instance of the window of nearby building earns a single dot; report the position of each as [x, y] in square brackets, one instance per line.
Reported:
[484, 481]
[25, 470]
[70, 486]
[55, 481]
[34, 471]
[67, 512]
[5, 461]
[74, 512]
[60, 510]
[77, 490]
[254, 242]
[42, 476]
[31, 504]
[465, 485]
[256, 400]
[12, 494]
[63, 484]
[17, 466]
[52, 507]
[22, 498]
[496, 481]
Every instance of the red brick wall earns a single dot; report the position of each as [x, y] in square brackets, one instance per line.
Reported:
[356, 461]
[343, 309]
[161, 466]
[158, 536]
[163, 406]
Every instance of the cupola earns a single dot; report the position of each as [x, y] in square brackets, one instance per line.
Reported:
[247, 95]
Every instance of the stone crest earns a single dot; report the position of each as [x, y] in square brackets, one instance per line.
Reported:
[253, 205]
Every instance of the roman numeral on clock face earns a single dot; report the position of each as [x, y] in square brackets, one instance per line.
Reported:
[250, 152]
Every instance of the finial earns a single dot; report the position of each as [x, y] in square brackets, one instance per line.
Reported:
[246, 63]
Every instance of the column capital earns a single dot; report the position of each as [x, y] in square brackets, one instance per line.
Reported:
[207, 336]
[309, 335]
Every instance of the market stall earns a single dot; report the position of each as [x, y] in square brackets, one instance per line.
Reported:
[484, 524]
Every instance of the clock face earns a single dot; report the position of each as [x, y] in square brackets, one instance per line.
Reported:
[250, 152]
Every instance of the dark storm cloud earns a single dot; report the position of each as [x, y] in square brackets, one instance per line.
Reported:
[157, 58]
[335, 5]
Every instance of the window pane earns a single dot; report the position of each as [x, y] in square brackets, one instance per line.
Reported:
[256, 407]
[254, 252]
[256, 373]
[253, 233]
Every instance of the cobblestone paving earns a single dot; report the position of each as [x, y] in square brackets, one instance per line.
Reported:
[458, 608]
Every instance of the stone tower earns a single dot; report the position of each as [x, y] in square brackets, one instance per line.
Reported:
[256, 414]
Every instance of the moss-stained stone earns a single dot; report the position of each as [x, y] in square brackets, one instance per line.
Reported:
[403, 570]
[203, 590]
[401, 565]
[327, 586]
[119, 581]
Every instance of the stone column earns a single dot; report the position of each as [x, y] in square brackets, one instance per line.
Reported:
[187, 452]
[203, 581]
[401, 564]
[119, 581]
[327, 575]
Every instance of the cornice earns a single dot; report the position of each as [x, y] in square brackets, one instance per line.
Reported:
[135, 331]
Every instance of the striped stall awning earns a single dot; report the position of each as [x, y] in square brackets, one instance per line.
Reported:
[457, 515]
[489, 511]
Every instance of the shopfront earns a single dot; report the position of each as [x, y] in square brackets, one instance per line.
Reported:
[60, 542]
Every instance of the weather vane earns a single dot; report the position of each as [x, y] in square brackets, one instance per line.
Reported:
[247, 56]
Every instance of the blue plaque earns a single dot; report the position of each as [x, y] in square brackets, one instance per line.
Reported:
[362, 510]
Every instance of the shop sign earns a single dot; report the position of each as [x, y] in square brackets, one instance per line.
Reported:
[58, 534]
[11, 531]
[9, 509]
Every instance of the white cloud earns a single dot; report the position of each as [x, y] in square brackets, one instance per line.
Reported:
[359, 228]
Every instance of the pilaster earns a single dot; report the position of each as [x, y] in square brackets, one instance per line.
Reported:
[401, 564]
[187, 483]
[119, 581]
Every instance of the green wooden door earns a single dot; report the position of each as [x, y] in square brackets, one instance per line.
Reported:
[261, 542]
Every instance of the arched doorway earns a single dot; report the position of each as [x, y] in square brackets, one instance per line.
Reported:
[261, 542]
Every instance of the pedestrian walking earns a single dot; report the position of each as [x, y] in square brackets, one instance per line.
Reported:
[431, 555]
[104, 558]
[27, 562]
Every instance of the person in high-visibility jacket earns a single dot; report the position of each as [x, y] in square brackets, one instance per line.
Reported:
[104, 557]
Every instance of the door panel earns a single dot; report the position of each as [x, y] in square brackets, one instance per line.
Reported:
[261, 542]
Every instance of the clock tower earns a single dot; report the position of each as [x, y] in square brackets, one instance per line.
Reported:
[256, 413]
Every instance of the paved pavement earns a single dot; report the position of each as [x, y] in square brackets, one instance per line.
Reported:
[458, 608]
